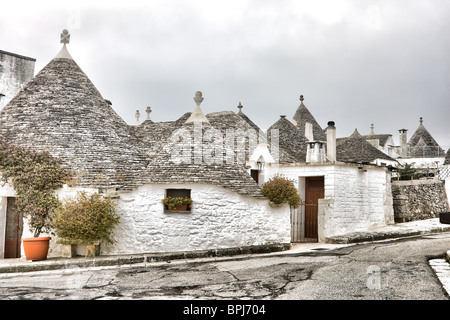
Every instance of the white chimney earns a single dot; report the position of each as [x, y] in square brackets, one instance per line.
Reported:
[309, 131]
[331, 142]
[403, 143]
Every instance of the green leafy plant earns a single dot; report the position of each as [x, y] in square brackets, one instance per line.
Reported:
[86, 219]
[174, 202]
[281, 190]
[408, 172]
[34, 176]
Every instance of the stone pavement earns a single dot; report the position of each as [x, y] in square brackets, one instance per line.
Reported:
[398, 230]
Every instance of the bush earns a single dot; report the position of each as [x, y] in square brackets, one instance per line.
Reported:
[85, 219]
[408, 172]
[281, 190]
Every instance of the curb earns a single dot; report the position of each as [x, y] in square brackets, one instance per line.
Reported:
[358, 237]
[82, 262]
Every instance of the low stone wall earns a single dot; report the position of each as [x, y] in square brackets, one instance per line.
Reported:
[418, 199]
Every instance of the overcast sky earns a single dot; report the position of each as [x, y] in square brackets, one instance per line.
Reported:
[356, 62]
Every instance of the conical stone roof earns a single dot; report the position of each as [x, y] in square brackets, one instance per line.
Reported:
[356, 149]
[422, 144]
[302, 116]
[61, 111]
[291, 142]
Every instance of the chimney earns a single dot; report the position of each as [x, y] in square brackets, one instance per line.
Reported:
[137, 115]
[315, 152]
[403, 143]
[309, 131]
[331, 142]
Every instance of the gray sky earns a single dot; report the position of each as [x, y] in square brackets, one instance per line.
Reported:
[356, 62]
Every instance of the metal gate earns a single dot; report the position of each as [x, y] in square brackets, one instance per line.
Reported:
[304, 223]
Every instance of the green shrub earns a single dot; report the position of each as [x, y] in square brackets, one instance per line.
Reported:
[281, 190]
[85, 219]
[408, 172]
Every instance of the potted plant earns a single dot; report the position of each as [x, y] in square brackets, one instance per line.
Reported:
[34, 176]
[39, 211]
[177, 203]
[87, 220]
[280, 190]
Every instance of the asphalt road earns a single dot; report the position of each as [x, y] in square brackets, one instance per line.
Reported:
[390, 270]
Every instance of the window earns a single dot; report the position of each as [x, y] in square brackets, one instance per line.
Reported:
[175, 193]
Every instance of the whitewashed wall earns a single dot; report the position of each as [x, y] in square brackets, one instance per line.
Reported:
[220, 218]
[423, 162]
[447, 189]
[16, 71]
[356, 200]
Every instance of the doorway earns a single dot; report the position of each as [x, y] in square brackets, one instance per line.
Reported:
[314, 190]
[13, 230]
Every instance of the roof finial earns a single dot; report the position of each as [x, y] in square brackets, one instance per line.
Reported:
[65, 37]
[197, 115]
[421, 120]
[148, 110]
[240, 108]
[301, 98]
[371, 129]
[198, 98]
[137, 115]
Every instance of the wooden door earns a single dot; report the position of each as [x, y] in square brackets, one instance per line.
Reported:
[255, 175]
[314, 190]
[13, 230]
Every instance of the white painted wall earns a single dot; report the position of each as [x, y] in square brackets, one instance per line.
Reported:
[15, 73]
[220, 218]
[357, 200]
[423, 162]
[447, 189]
[3, 202]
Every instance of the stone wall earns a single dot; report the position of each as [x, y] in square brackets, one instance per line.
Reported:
[219, 218]
[418, 199]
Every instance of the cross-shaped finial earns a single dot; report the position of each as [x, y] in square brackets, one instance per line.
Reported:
[198, 98]
[65, 36]
[301, 98]
[240, 107]
[148, 110]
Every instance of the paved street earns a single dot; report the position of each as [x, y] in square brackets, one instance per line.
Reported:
[396, 269]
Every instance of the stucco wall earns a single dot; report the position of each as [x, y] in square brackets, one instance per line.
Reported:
[356, 199]
[220, 218]
[447, 190]
[15, 72]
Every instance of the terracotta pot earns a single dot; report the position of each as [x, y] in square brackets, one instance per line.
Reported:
[36, 248]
